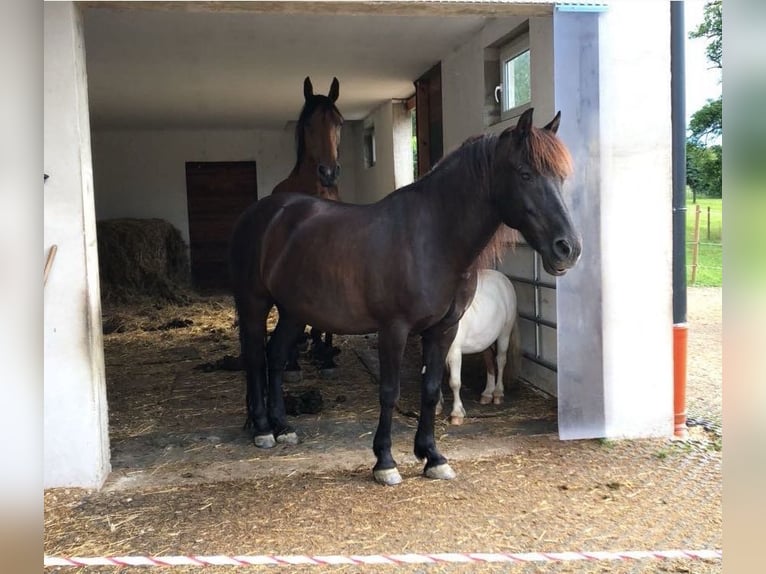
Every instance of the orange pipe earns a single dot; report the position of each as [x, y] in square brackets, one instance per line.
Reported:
[680, 339]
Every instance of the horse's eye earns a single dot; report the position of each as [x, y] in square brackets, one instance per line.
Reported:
[525, 176]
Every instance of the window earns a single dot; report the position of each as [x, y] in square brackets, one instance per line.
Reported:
[369, 146]
[516, 87]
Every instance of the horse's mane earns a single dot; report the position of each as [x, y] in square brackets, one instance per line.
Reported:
[317, 102]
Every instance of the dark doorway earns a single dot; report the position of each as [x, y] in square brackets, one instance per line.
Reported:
[216, 194]
[429, 131]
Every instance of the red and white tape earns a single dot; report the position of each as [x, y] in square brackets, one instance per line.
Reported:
[378, 559]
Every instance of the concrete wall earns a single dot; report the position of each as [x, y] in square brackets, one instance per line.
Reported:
[393, 153]
[142, 173]
[374, 183]
[76, 439]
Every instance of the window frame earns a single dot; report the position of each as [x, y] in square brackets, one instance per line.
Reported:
[512, 49]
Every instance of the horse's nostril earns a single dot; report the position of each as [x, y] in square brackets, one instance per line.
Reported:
[562, 248]
[327, 174]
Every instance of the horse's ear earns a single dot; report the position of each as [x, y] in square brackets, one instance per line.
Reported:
[334, 90]
[524, 125]
[553, 126]
[308, 89]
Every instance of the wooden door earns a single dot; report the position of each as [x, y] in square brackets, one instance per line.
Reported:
[216, 194]
[428, 119]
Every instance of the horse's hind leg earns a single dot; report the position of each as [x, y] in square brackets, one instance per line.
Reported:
[323, 353]
[252, 336]
[292, 372]
[284, 337]
[501, 357]
[489, 362]
[391, 343]
[328, 365]
[436, 344]
[455, 364]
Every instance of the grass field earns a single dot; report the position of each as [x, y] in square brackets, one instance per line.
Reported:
[709, 262]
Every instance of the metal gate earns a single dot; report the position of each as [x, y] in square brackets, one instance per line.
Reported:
[536, 295]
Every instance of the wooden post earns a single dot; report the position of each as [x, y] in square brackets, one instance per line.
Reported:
[696, 243]
[708, 223]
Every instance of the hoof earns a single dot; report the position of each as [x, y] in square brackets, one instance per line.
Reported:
[497, 400]
[292, 376]
[264, 441]
[454, 420]
[287, 438]
[485, 400]
[327, 373]
[441, 472]
[388, 476]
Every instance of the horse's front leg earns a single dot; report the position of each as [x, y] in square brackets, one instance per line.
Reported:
[436, 343]
[252, 334]
[391, 343]
[285, 335]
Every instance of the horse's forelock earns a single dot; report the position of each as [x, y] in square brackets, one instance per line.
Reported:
[548, 154]
[322, 103]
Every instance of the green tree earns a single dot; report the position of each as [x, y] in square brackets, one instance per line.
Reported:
[703, 168]
[703, 152]
[712, 29]
[707, 123]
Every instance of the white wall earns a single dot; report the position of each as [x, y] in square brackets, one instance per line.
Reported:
[636, 214]
[142, 173]
[76, 443]
[374, 183]
[404, 170]
[463, 83]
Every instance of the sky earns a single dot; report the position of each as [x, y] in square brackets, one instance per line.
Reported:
[702, 81]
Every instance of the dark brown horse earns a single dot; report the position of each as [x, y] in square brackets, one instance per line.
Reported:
[316, 171]
[317, 139]
[403, 265]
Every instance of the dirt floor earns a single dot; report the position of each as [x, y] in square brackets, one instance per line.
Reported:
[187, 480]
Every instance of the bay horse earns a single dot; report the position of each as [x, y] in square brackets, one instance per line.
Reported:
[489, 326]
[403, 265]
[316, 172]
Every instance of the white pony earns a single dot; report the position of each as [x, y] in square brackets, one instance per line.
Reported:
[490, 318]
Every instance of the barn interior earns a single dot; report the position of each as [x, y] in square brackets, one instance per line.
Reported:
[192, 111]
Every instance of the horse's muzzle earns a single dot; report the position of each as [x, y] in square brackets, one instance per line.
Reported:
[328, 176]
[565, 254]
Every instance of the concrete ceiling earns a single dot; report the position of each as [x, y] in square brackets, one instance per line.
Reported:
[202, 68]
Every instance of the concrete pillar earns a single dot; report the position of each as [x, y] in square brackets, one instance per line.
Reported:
[614, 309]
[76, 439]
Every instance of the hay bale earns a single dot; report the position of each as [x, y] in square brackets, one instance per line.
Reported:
[140, 259]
